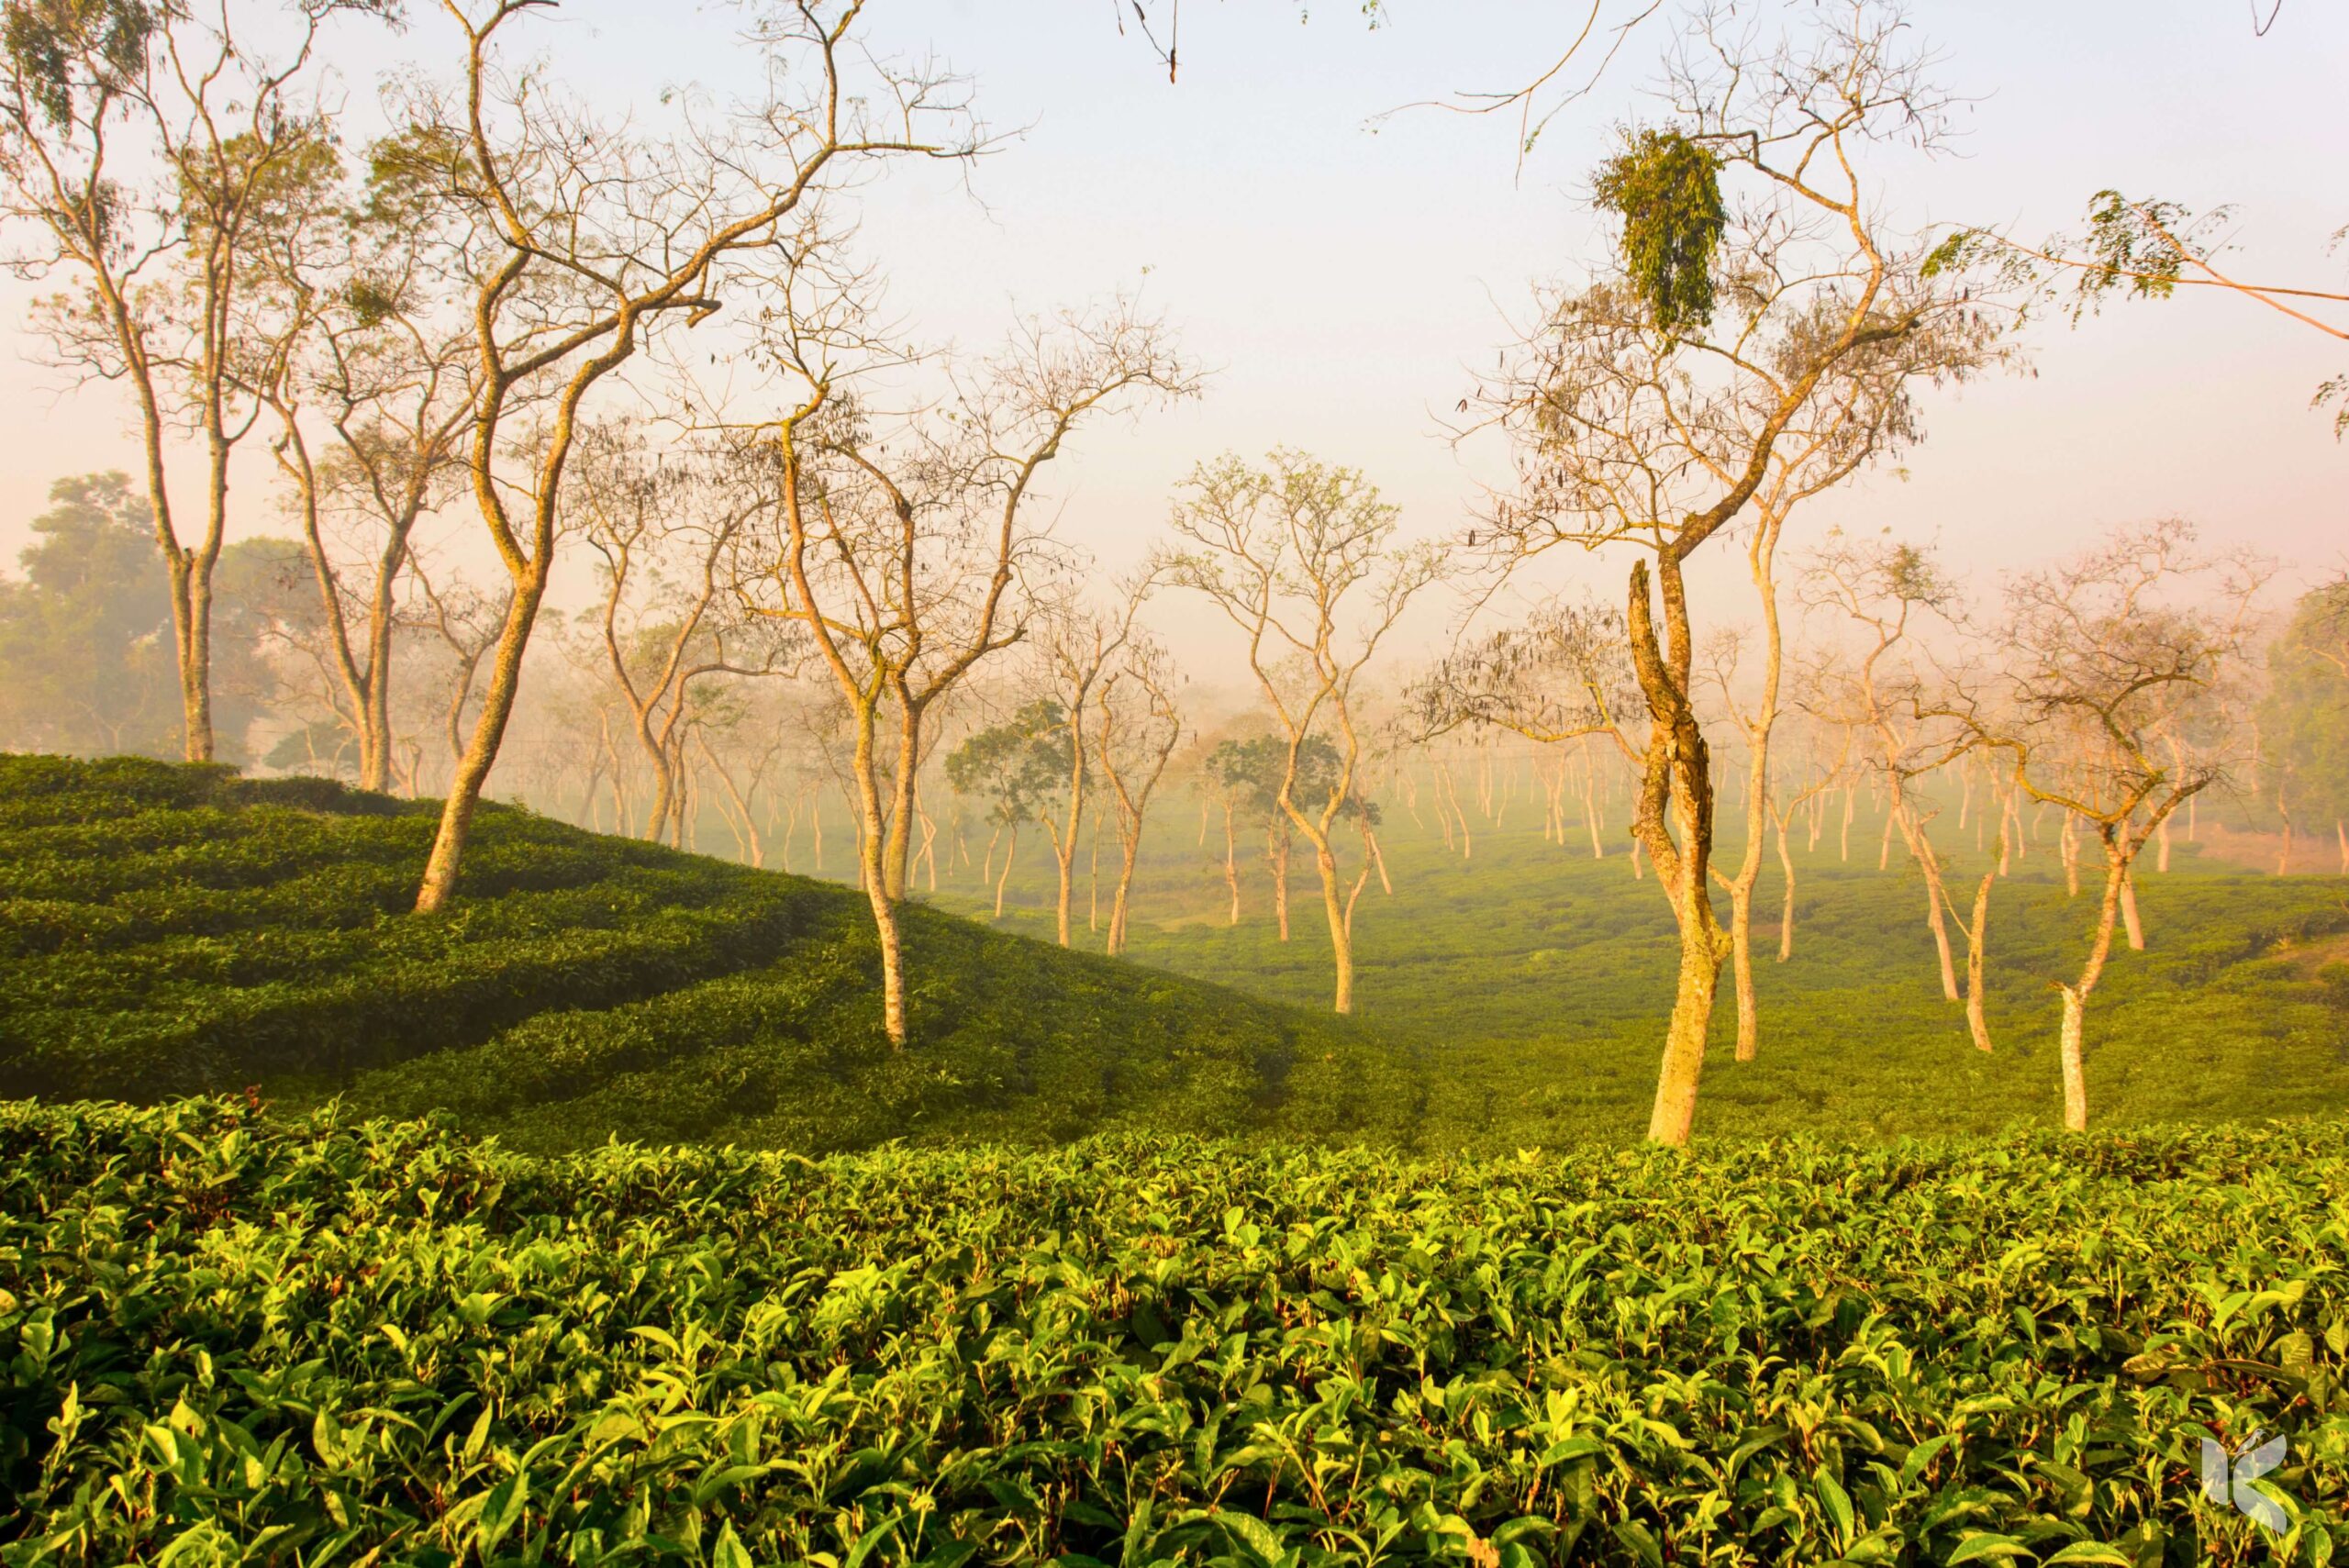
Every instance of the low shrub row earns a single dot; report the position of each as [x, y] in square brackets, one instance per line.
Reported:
[225, 1337]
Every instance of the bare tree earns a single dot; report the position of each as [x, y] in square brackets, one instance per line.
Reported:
[909, 548]
[666, 533]
[1650, 406]
[146, 148]
[596, 238]
[1075, 648]
[2099, 653]
[1301, 558]
[1884, 591]
[369, 350]
[1139, 727]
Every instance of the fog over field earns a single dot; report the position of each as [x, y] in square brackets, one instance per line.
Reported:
[892, 780]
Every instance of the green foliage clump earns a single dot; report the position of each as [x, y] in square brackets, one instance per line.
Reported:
[1667, 188]
[2304, 719]
[224, 1335]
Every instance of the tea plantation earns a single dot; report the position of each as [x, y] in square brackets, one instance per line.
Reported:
[1112, 1266]
[225, 1337]
[170, 930]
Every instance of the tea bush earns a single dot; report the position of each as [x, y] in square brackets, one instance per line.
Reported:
[167, 929]
[227, 1337]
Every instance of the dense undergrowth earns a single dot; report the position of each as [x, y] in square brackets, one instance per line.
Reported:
[225, 1337]
[166, 930]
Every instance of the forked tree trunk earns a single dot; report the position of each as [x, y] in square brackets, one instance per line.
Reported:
[1128, 849]
[440, 884]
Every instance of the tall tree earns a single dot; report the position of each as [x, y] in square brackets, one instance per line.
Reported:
[146, 148]
[369, 353]
[909, 548]
[1755, 276]
[1301, 558]
[667, 528]
[1139, 729]
[593, 237]
[2099, 651]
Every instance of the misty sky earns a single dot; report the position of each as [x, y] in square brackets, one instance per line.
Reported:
[1345, 281]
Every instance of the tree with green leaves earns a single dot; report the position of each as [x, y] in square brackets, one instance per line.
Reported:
[1017, 769]
[2304, 717]
[1249, 776]
[591, 237]
[2146, 247]
[370, 380]
[85, 634]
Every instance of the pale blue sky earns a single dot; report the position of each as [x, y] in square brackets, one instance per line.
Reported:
[1343, 281]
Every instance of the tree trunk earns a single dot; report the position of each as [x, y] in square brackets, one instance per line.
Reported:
[1065, 857]
[1741, 939]
[1130, 850]
[1230, 865]
[872, 849]
[2283, 856]
[1341, 942]
[1674, 1118]
[1278, 857]
[2076, 1079]
[1786, 908]
[2129, 920]
[2076, 995]
[1008, 854]
[440, 870]
[1977, 957]
[1590, 814]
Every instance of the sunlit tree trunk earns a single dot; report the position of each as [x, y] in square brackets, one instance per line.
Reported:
[2075, 994]
[1786, 907]
[1976, 957]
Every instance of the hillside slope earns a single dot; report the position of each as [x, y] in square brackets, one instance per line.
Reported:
[168, 929]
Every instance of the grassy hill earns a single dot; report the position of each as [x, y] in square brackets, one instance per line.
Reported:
[168, 929]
